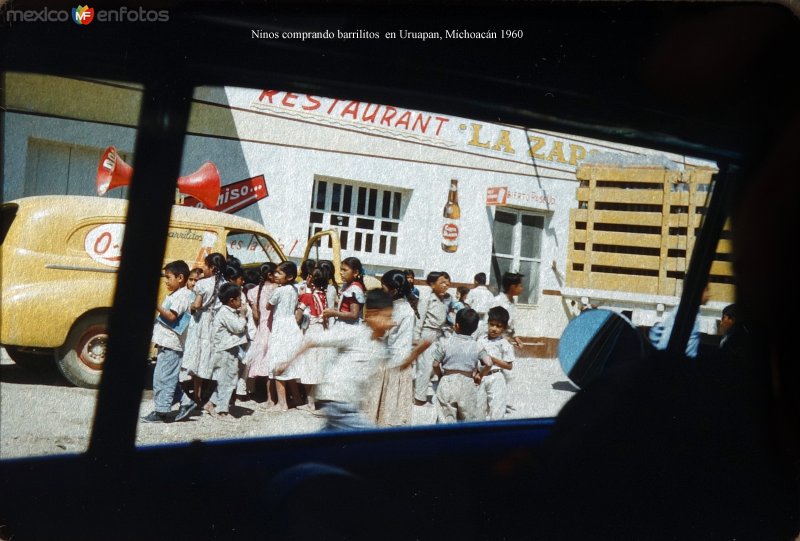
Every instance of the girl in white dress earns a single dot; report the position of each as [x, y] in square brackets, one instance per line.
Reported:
[310, 368]
[197, 363]
[258, 297]
[285, 336]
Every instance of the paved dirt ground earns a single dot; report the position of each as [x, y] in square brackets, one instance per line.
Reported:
[40, 414]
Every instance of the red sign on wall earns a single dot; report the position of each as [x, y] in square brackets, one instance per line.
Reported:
[236, 196]
[497, 195]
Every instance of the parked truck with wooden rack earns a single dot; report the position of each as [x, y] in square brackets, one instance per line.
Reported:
[631, 238]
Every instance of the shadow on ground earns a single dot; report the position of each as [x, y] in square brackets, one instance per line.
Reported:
[565, 386]
[46, 374]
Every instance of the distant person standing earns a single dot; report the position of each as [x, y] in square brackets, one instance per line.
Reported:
[432, 324]
[480, 298]
[459, 303]
[736, 333]
[727, 323]
[410, 277]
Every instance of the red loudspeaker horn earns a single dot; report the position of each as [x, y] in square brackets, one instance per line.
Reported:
[112, 172]
[203, 185]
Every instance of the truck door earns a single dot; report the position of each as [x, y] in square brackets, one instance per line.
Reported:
[328, 242]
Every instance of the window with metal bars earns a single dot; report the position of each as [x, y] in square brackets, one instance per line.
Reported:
[367, 218]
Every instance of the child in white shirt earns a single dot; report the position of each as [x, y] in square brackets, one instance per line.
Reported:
[493, 391]
[229, 335]
[168, 336]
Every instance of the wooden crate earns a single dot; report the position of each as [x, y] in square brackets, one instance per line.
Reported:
[635, 228]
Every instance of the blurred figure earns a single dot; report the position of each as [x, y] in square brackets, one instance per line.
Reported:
[360, 350]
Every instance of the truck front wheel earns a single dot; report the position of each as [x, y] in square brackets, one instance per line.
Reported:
[83, 355]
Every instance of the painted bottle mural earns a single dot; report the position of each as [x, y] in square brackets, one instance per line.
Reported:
[451, 219]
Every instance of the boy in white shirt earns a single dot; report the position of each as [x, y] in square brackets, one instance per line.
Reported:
[461, 363]
[512, 287]
[229, 335]
[493, 391]
[168, 335]
[480, 298]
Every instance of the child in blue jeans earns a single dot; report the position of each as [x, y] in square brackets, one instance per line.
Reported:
[168, 335]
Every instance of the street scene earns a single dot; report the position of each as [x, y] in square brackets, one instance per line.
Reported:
[293, 214]
[43, 415]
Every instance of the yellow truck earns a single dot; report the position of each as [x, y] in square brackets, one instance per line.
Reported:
[59, 256]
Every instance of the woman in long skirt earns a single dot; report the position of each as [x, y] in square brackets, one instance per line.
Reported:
[397, 387]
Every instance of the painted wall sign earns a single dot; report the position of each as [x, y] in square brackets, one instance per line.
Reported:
[235, 196]
[509, 142]
[104, 244]
[496, 195]
[501, 196]
[529, 198]
[364, 113]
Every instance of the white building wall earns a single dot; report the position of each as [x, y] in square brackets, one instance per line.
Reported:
[245, 136]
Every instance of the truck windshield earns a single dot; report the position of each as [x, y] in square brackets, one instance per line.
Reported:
[252, 249]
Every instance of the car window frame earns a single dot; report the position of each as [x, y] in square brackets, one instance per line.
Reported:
[161, 131]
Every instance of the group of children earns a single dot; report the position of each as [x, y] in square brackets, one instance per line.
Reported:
[340, 351]
[470, 340]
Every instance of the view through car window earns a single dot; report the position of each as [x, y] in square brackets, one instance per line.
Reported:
[66, 173]
[292, 211]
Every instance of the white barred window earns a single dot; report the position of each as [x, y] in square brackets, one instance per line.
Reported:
[367, 218]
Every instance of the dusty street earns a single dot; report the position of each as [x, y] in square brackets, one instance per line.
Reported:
[41, 415]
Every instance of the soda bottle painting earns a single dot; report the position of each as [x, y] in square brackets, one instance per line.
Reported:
[450, 223]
